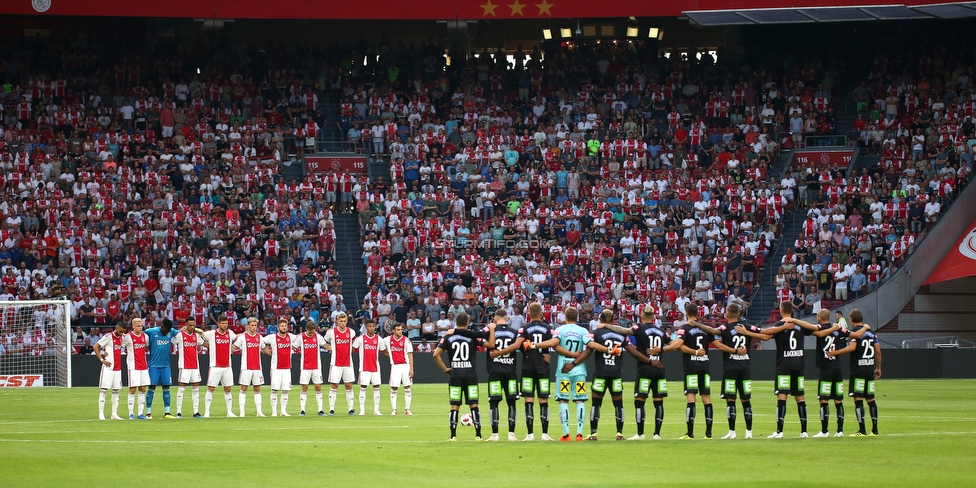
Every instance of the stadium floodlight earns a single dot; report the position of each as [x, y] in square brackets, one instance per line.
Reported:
[632, 31]
[652, 33]
[43, 358]
[565, 32]
[547, 34]
[660, 35]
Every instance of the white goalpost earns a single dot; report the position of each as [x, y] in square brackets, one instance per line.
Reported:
[36, 343]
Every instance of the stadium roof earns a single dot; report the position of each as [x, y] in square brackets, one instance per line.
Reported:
[703, 12]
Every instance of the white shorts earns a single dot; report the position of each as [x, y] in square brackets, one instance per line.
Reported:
[400, 375]
[109, 379]
[167, 131]
[251, 377]
[281, 379]
[341, 374]
[188, 376]
[310, 142]
[310, 376]
[138, 378]
[370, 378]
[220, 376]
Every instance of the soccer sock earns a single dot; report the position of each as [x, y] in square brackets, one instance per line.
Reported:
[493, 415]
[166, 399]
[207, 400]
[149, 398]
[529, 416]
[580, 417]
[476, 418]
[801, 409]
[101, 403]
[257, 403]
[229, 402]
[639, 416]
[690, 418]
[274, 403]
[132, 403]
[302, 398]
[595, 414]
[859, 413]
[780, 414]
[454, 422]
[730, 414]
[544, 417]
[658, 416]
[115, 402]
[376, 398]
[407, 397]
[284, 401]
[824, 417]
[195, 397]
[179, 399]
[350, 399]
[362, 398]
[873, 409]
[564, 417]
[332, 399]
[511, 415]
[840, 416]
[241, 401]
[709, 416]
[142, 403]
[393, 398]
[747, 413]
[319, 399]
[618, 414]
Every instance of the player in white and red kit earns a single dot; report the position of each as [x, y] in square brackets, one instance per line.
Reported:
[369, 347]
[308, 344]
[400, 350]
[219, 344]
[136, 344]
[339, 339]
[249, 343]
[188, 343]
[279, 347]
[110, 378]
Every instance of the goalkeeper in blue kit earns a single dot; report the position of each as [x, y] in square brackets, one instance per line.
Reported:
[160, 347]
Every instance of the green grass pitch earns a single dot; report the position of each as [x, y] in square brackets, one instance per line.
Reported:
[50, 437]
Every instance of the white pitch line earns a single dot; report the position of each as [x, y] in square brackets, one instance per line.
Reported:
[239, 429]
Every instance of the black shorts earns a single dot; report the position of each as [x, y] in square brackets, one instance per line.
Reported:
[831, 385]
[654, 386]
[737, 381]
[502, 384]
[698, 382]
[604, 383]
[789, 382]
[862, 386]
[535, 384]
[463, 388]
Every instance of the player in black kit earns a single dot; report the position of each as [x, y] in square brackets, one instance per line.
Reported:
[502, 380]
[535, 369]
[736, 377]
[865, 370]
[463, 385]
[693, 339]
[607, 372]
[650, 376]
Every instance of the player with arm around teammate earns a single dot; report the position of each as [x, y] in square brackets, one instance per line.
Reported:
[369, 347]
[219, 345]
[736, 376]
[693, 339]
[279, 347]
[188, 343]
[463, 387]
[308, 343]
[400, 350]
[108, 350]
[502, 380]
[535, 369]
[607, 372]
[865, 353]
[136, 344]
[160, 374]
[249, 343]
[651, 381]
[339, 341]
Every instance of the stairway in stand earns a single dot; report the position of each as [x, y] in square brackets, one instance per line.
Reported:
[764, 299]
[349, 261]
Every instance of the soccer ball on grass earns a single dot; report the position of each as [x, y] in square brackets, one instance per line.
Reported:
[467, 420]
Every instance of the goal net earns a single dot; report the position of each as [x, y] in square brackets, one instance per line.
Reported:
[35, 343]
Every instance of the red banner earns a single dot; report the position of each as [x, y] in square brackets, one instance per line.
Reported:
[805, 158]
[960, 261]
[398, 10]
[336, 164]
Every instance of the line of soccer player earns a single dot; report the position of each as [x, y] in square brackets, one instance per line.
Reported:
[148, 364]
[646, 342]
